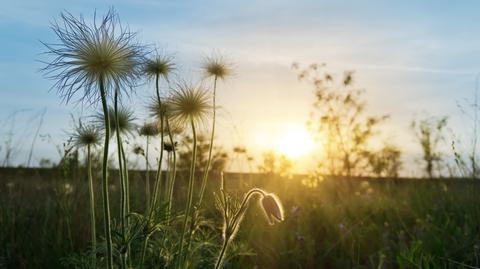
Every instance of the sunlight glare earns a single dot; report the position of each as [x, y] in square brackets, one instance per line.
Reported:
[294, 141]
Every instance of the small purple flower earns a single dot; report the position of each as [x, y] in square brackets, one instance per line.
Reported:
[272, 208]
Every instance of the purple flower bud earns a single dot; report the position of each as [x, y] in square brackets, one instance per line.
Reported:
[272, 208]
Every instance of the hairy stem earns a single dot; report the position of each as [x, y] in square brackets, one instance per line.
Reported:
[167, 177]
[147, 177]
[174, 170]
[222, 254]
[232, 224]
[156, 186]
[106, 203]
[127, 196]
[123, 206]
[188, 205]
[207, 169]
[92, 206]
[159, 169]
[127, 183]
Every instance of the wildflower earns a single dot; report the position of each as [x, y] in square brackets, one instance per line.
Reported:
[126, 119]
[158, 109]
[88, 136]
[84, 136]
[216, 66]
[272, 208]
[149, 129]
[173, 128]
[159, 66]
[92, 56]
[188, 104]
[95, 59]
[233, 215]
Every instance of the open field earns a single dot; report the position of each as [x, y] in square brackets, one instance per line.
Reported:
[239, 134]
[333, 223]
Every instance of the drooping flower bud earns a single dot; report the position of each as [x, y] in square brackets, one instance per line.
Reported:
[272, 208]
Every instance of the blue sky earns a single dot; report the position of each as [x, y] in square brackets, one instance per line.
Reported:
[412, 57]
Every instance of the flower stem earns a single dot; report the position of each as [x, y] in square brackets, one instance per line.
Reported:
[159, 169]
[222, 254]
[207, 169]
[106, 203]
[174, 171]
[147, 177]
[127, 197]
[156, 186]
[127, 183]
[188, 205]
[167, 179]
[158, 178]
[123, 206]
[233, 223]
[92, 207]
[243, 207]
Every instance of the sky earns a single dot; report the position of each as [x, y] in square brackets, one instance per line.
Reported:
[413, 58]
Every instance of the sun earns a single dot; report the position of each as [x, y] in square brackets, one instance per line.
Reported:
[294, 141]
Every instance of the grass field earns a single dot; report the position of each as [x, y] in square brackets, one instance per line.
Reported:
[323, 178]
[330, 223]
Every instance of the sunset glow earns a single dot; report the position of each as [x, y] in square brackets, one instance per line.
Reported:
[295, 141]
[239, 134]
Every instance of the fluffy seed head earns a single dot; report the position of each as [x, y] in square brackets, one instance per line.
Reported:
[158, 109]
[188, 103]
[86, 54]
[86, 135]
[149, 129]
[272, 208]
[175, 128]
[126, 120]
[159, 65]
[216, 66]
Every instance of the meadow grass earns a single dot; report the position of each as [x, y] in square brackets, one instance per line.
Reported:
[332, 223]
